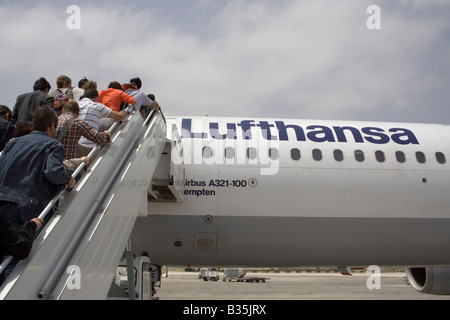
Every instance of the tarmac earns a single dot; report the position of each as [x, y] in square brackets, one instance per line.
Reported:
[178, 285]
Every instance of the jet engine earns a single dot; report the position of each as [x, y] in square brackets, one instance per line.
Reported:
[430, 280]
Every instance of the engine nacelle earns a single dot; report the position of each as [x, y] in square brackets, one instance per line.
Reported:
[430, 280]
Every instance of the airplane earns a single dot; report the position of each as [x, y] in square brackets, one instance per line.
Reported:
[296, 192]
[250, 192]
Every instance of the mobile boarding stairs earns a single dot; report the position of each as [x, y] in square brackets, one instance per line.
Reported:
[90, 229]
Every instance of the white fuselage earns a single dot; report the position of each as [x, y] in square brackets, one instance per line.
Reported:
[285, 192]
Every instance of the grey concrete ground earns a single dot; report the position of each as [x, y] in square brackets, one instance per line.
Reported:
[292, 286]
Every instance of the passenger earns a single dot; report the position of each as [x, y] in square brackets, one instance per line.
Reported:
[18, 245]
[78, 128]
[63, 84]
[113, 97]
[32, 171]
[79, 91]
[92, 111]
[142, 101]
[27, 103]
[6, 127]
[148, 109]
[63, 92]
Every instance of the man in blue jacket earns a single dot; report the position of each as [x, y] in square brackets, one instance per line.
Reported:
[32, 172]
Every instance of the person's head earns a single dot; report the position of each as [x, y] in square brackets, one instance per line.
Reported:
[45, 120]
[91, 94]
[82, 82]
[5, 112]
[115, 85]
[90, 85]
[72, 107]
[137, 82]
[63, 82]
[43, 85]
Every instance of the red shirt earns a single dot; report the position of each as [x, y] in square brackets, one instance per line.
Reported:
[112, 98]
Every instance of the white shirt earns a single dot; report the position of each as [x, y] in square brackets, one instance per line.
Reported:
[77, 93]
[140, 97]
[91, 112]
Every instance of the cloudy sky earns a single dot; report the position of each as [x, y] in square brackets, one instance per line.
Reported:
[245, 58]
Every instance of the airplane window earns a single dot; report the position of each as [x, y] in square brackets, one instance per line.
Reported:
[420, 156]
[400, 156]
[251, 153]
[379, 155]
[338, 155]
[207, 152]
[317, 154]
[229, 152]
[440, 157]
[359, 155]
[273, 153]
[295, 154]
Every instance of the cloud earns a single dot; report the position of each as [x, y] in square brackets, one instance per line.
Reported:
[294, 59]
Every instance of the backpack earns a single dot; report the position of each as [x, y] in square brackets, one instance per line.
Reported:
[60, 99]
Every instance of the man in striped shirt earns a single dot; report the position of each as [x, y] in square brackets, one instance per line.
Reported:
[78, 129]
[92, 111]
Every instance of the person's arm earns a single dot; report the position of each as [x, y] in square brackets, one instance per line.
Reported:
[71, 183]
[127, 98]
[155, 105]
[108, 113]
[121, 115]
[74, 163]
[93, 135]
[54, 169]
